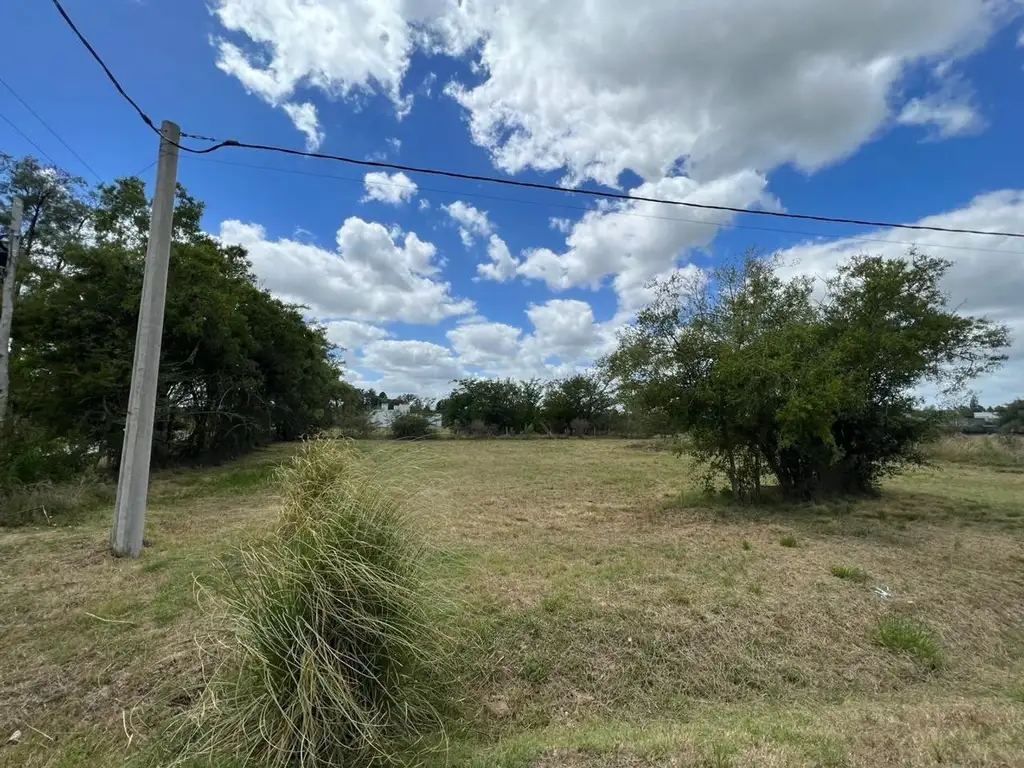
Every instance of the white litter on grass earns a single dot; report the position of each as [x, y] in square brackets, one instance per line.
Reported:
[882, 591]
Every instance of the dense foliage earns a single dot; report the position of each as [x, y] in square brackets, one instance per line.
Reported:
[238, 367]
[818, 393]
[410, 426]
[1011, 417]
[484, 406]
[576, 405]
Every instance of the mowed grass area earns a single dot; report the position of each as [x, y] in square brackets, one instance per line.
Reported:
[605, 614]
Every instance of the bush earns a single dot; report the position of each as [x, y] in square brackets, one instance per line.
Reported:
[410, 426]
[337, 657]
[579, 427]
[819, 394]
[356, 425]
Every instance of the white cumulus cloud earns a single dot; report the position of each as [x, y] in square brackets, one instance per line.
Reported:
[729, 85]
[635, 242]
[375, 274]
[948, 114]
[305, 119]
[394, 189]
[502, 265]
[352, 334]
[471, 221]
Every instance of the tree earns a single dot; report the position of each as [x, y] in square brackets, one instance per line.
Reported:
[495, 406]
[579, 402]
[817, 394]
[1011, 417]
[56, 211]
[238, 367]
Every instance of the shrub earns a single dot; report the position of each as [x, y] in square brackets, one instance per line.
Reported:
[410, 426]
[788, 540]
[337, 657]
[356, 425]
[850, 573]
[579, 427]
[817, 393]
[903, 634]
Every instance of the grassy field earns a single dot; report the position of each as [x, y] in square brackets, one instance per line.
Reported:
[605, 614]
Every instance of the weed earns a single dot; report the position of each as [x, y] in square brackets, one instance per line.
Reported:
[747, 546]
[850, 573]
[789, 540]
[902, 634]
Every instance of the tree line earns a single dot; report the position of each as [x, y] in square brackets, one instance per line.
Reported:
[239, 368]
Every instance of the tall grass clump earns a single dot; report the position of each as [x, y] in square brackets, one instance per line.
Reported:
[336, 656]
[981, 450]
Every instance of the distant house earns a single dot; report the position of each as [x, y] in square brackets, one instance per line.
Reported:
[986, 417]
[382, 417]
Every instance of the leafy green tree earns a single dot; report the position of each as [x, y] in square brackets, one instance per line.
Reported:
[767, 380]
[238, 367]
[1011, 417]
[56, 211]
[579, 402]
[495, 406]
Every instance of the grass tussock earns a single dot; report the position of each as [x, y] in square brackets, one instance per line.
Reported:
[981, 450]
[902, 634]
[336, 653]
[849, 573]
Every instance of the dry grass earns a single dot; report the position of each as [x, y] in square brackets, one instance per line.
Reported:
[983, 450]
[608, 617]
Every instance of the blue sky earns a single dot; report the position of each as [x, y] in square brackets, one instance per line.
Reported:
[895, 111]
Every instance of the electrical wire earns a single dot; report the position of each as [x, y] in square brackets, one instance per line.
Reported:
[47, 127]
[21, 133]
[514, 182]
[548, 204]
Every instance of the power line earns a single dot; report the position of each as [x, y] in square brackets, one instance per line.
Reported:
[730, 225]
[517, 182]
[21, 133]
[47, 127]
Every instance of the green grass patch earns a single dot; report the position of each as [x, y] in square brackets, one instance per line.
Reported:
[789, 540]
[849, 573]
[902, 634]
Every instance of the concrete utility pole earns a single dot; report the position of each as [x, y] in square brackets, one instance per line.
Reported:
[133, 480]
[7, 307]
